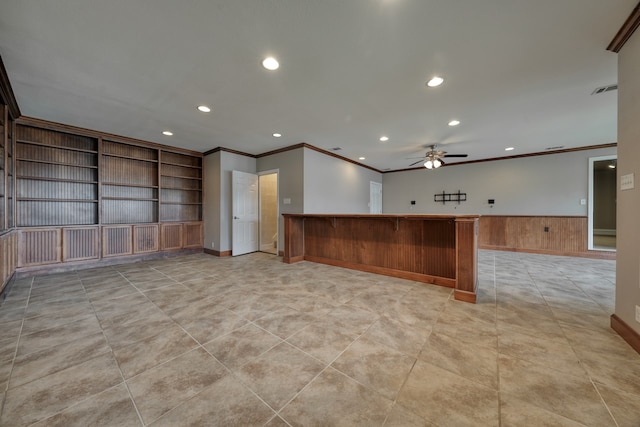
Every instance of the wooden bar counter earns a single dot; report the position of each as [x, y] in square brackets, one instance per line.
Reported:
[438, 249]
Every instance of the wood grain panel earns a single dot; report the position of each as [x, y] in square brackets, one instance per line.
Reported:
[181, 159]
[60, 139]
[193, 237]
[293, 239]
[565, 235]
[128, 211]
[80, 243]
[8, 256]
[116, 240]
[171, 236]
[129, 171]
[34, 213]
[178, 212]
[40, 246]
[145, 238]
[128, 150]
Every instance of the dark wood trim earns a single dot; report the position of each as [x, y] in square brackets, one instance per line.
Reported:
[217, 253]
[626, 31]
[539, 153]
[229, 150]
[464, 296]
[115, 260]
[337, 156]
[75, 130]
[626, 332]
[6, 92]
[283, 150]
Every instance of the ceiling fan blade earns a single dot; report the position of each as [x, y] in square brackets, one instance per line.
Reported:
[419, 161]
[455, 155]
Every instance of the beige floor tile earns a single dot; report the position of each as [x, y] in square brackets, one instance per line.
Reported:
[444, 398]
[350, 318]
[573, 397]
[59, 318]
[153, 350]
[333, 399]
[122, 335]
[279, 374]
[477, 363]
[112, 407]
[284, 322]
[375, 365]
[242, 345]
[212, 325]
[118, 306]
[517, 413]
[48, 395]
[31, 366]
[224, 403]
[408, 339]
[624, 406]
[276, 422]
[160, 389]
[58, 335]
[323, 342]
[401, 417]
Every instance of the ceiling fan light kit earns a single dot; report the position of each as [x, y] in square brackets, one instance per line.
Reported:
[433, 158]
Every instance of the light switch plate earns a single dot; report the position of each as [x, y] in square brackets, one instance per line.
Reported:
[626, 182]
[286, 201]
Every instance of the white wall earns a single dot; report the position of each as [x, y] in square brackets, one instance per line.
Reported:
[628, 238]
[332, 185]
[541, 185]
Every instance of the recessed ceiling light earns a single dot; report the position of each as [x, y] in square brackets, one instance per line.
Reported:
[361, 158]
[612, 166]
[167, 133]
[384, 138]
[435, 81]
[509, 149]
[204, 108]
[270, 63]
[454, 122]
[277, 135]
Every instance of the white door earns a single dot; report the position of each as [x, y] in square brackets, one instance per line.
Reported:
[244, 190]
[375, 198]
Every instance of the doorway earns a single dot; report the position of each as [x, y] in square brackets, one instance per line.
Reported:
[268, 185]
[602, 203]
[375, 197]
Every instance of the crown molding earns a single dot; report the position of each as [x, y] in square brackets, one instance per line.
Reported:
[6, 92]
[626, 31]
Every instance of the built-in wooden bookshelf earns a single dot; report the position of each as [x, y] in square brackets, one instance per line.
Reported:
[57, 178]
[85, 196]
[129, 183]
[181, 187]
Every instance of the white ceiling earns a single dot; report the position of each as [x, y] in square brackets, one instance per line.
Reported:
[517, 72]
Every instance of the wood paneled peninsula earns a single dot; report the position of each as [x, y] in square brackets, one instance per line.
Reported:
[438, 249]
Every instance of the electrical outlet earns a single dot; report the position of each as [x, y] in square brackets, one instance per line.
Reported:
[213, 245]
[626, 182]
[638, 313]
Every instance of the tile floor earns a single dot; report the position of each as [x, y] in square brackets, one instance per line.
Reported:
[200, 340]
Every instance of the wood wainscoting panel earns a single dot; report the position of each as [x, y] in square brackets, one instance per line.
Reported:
[39, 246]
[8, 256]
[145, 238]
[80, 243]
[171, 236]
[116, 240]
[555, 235]
[193, 237]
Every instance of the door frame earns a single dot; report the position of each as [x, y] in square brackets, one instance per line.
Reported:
[592, 161]
[277, 173]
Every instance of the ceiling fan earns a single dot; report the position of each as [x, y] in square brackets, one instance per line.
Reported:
[433, 158]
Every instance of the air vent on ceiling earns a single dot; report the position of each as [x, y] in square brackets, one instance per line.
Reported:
[604, 89]
[557, 147]
[336, 149]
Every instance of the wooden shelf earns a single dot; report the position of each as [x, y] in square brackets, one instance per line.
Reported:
[130, 158]
[41, 199]
[119, 184]
[40, 144]
[56, 163]
[182, 177]
[129, 199]
[180, 189]
[39, 178]
[180, 203]
[181, 165]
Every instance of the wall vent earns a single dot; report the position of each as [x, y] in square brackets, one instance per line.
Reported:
[336, 149]
[604, 89]
[557, 147]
